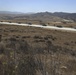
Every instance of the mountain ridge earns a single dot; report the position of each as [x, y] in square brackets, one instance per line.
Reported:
[56, 16]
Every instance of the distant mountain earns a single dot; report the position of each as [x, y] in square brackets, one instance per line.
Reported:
[69, 16]
[63, 15]
[9, 12]
[42, 16]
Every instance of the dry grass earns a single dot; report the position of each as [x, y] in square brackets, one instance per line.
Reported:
[71, 25]
[61, 38]
[40, 51]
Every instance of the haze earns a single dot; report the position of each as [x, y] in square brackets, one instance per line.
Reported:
[38, 5]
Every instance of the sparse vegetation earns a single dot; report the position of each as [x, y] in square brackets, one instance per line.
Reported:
[43, 18]
[36, 51]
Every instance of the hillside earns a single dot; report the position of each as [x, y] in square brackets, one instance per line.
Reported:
[69, 16]
[36, 51]
[42, 16]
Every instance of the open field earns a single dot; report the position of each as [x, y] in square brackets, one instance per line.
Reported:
[36, 51]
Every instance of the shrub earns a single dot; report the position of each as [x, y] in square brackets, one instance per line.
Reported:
[38, 37]
[2, 47]
[0, 38]
[27, 66]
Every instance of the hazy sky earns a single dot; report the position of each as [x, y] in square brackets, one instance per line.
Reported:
[38, 5]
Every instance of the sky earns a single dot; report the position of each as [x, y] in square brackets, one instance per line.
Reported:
[38, 5]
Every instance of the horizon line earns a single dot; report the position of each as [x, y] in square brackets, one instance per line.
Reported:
[36, 12]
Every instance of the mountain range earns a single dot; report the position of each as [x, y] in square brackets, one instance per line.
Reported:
[42, 16]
